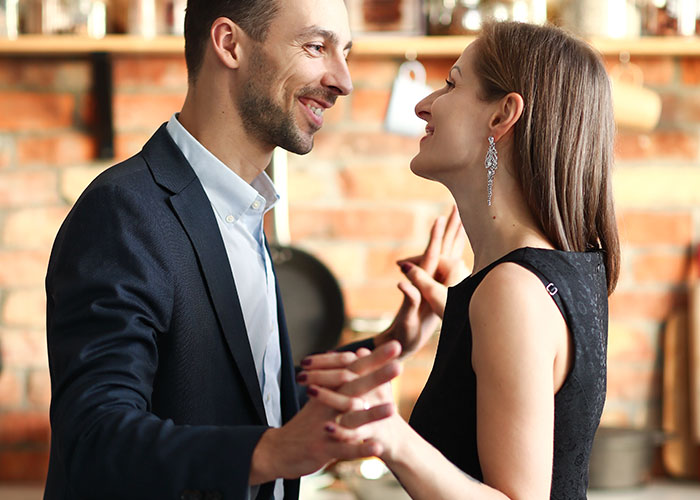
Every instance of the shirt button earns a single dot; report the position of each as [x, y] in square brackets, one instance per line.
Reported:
[229, 219]
[267, 398]
[256, 205]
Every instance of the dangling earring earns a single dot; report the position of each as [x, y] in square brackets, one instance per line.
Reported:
[491, 165]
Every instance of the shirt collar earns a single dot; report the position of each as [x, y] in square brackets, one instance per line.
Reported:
[228, 193]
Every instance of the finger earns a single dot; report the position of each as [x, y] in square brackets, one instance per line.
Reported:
[335, 400]
[362, 352]
[380, 356]
[355, 419]
[432, 291]
[431, 256]
[330, 378]
[328, 360]
[452, 229]
[372, 380]
[411, 295]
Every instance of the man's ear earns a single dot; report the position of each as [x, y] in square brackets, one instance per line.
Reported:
[226, 37]
[509, 110]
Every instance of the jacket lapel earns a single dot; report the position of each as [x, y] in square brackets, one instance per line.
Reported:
[193, 209]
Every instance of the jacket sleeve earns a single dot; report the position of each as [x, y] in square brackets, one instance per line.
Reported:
[109, 298]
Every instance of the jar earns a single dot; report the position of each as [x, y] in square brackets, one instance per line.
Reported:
[9, 18]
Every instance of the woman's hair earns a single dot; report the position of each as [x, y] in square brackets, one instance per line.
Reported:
[564, 140]
[252, 16]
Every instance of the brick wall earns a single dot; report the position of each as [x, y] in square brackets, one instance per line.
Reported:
[353, 202]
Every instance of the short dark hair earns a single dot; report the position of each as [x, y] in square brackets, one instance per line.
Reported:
[565, 136]
[252, 16]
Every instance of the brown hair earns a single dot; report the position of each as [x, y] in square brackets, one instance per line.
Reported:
[252, 16]
[564, 139]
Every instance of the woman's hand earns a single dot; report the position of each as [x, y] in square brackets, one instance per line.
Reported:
[425, 290]
[348, 384]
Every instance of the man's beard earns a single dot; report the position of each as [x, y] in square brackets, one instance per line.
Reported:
[265, 118]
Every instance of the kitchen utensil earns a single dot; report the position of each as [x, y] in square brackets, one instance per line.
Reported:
[9, 19]
[312, 299]
[408, 89]
[622, 457]
[635, 107]
[679, 454]
[694, 348]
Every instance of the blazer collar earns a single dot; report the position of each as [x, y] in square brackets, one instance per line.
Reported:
[192, 207]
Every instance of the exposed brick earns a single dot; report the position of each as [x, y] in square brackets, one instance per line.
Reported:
[145, 111]
[677, 108]
[74, 181]
[127, 144]
[369, 105]
[152, 71]
[656, 70]
[363, 144]
[57, 149]
[676, 145]
[372, 71]
[631, 382]
[345, 261]
[648, 228]
[24, 348]
[381, 260]
[382, 182]
[7, 151]
[360, 223]
[11, 389]
[438, 69]
[46, 74]
[33, 227]
[648, 305]
[661, 268]
[25, 308]
[34, 111]
[21, 268]
[660, 187]
[628, 344]
[372, 299]
[24, 464]
[690, 71]
[27, 188]
[310, 184]
[39, 389]
[24, 428]
[338, 113]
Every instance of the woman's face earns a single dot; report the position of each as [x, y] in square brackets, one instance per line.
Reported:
[457, 130]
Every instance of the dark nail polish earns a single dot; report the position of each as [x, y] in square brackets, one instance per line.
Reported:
[301, 377]
[405, 267]
[306, 362]
[330, 428]
[312, 391]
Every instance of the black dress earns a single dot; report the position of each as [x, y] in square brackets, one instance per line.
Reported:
[445, 413]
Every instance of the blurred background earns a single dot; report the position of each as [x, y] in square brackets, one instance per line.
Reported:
[84, 83]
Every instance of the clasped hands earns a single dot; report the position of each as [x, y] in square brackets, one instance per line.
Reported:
[355, 387]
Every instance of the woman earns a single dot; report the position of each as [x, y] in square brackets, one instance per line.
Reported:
[522, 135]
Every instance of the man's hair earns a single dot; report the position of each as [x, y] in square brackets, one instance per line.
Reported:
[252, 16]
[563, 141]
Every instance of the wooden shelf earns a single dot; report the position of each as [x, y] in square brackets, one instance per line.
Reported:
[364, 46]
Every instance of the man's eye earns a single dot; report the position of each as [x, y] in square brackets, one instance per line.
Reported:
[315, 47]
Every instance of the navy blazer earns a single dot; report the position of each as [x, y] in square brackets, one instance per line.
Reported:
[154, 389]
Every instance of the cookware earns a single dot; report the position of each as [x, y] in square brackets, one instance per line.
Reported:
[313, 301]
[622, 457]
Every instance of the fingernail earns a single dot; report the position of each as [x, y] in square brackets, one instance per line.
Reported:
[330, 428]
[405, 267]
[306, 362]
[312, 391]
[301, 377]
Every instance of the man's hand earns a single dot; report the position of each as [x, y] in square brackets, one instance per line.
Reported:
[302, 445]
[425, 290]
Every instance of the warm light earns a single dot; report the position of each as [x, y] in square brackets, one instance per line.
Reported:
[373, 468]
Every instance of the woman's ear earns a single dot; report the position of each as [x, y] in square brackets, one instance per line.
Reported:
[226, 37]
[509, 110]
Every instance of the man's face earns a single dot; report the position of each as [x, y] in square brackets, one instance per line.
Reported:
[296, 73]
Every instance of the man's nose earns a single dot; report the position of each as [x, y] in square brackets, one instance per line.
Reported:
[337, 76]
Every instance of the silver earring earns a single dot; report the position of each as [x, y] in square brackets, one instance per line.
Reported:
[491, 165]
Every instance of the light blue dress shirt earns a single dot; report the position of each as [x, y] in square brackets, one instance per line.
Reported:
[239, 208]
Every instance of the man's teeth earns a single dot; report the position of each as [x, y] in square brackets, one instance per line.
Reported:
[315, 110]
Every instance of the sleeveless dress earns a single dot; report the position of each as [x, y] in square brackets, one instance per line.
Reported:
[445, 412]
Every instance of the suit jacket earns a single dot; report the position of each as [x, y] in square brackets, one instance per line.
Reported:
[154, 389]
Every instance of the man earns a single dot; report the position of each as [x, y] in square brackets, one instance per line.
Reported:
[170, 364]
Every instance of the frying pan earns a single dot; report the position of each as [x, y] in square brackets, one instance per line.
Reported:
[313, 301]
